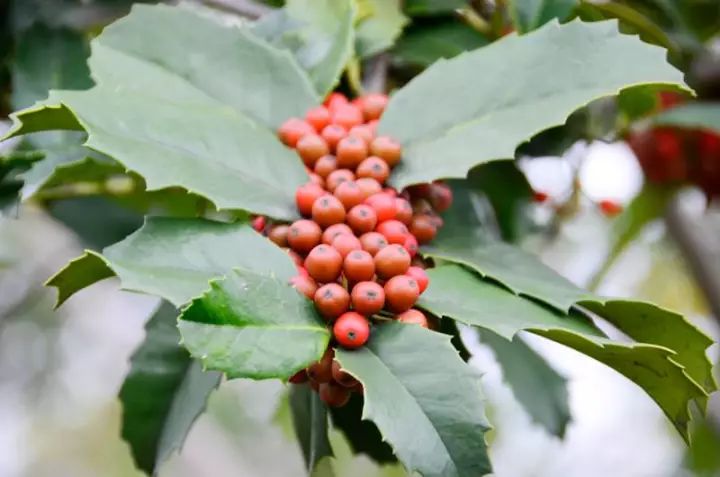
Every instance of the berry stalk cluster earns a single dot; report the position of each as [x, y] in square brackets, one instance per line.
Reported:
[355, 249]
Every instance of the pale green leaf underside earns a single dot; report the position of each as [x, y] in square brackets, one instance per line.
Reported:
[310, 421]
[253, 325]
[163, 393]
[460, 294]
[172, 104]
[448, 124]
[694, 115]
[424, 399]
[175, 259]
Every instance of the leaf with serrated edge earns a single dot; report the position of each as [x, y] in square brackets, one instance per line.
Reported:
[448, 124]
[536, 385]
[692, 116]
[461, 295]
[381, 28]
[161, 95]
[175, 259]
[424, 399]
[527, 15]
[253, 325]
[163, 393]
[310, 421]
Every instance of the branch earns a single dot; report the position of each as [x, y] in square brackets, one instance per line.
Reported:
[375, 73]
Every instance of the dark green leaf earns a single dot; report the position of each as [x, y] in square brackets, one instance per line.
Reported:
[253, 325]
[528, 15]
[310, 420]
[163, 394]
[535, 384]
[440, 114]
[379, 30]
[175, 259]
[424, 399]
[172, 86]
[319, 33]
[424, 44]
[432, 7]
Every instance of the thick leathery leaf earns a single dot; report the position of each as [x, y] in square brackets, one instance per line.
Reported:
[459, 294]
[253, 325]
[423, 45]
[379, 30]
[175, 259]
[693, 116]
[363, 436]
[163, 394]
[319, 33]
[310, 420]
[159, 87]
[528, 15]
[439, 114]
[536, 385]
[424, 399]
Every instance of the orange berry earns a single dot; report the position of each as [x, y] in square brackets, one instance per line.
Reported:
[325, 165]
[335, 100]
[306, 195]
[293, 129]
[367, 298]
[336, 177]
[359, 266]
[311, 147]
[387, 149]
[414, 317]
[324, 263]
[423, 228]
[390, 261]
[375, 168]
[318, 117]
[278, 235]
[351, 330]
[369, 186]
[350, 152]
[441, 196]
[332, 133]
[373, 242]
[346, 116]
[331, 300]
[349, 193]
[403, 211]
[328, 210]
[384, 206]
[333, 231]
[345, 244]
[362, 218]
[401, 293]
[420, 277]
[305, 285]
[411, 245]
[363, 132]
[303, 235]
[373, 106]
[394, 231]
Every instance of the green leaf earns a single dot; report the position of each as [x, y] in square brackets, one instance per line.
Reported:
[172, 86]
[692, 115]
[163, 394]
[310, 420]
[441, 114]
[527, 15]
[535, 384]
[319, 33]
[380, 29]
[253, 325]
[424, 399]
[459, 294]
[432, 7]
[423, 45]
[175, 259]
[363, 436]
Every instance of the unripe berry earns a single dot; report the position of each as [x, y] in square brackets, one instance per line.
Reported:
[362, 218]
[293, 129]
[349, 193]
[318, 117]
[351, 330]
[324, 263]
[312, 147]
[375, 168]
[306, 195]
[337, 177]
[373, 242]
[350, 152]
[401, 293]
[345, 244]
[391, 261]
[368, 298]
[423, 228]
[333, 231]
[321, 371]
[420, 277]
[328, 210]
[304, 285]
[325, 165]
[384, 206]
[333, 394]
[414, 317]
[331, 300]
[304, 235]
[394, 231]
[387, 149]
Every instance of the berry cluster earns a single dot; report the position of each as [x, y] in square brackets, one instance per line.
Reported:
[356, 248]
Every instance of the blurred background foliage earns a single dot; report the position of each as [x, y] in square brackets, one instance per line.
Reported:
[593, 198]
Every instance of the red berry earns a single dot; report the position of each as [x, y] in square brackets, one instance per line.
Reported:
[316, 179]
[341, 377]
[610, 208]
[278, 235]
[258, 223]
[304, 285]
[387, 149]
[345, 243]
[401, 293]
[350, 152]
[335, 100]
[423, 228]
[299, 377]
[332, 133]
[306, 195]
[403, 211]
[318, 117]
[420, 277]
[331, 300]
[351, 330]
[304, 235]
[312, 147]
[321, 371]
[369, 186]
[324, 263]
[413, 316]
[336, 177]
[347, 116]
[333, 231]
[373, 106]
[411, 245]
[325, 165]
[293, 129]
[394, 231]
[363, 132]
[362, 218]
[368, 298]
[359, 266]
[441, 197]
[333, 394]
[328, 210]
[349, 194]
[391, 261]
[373, 242]
[375, 168]
[540, 196]
[384, 206]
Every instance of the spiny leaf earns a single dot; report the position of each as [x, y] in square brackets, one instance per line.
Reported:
[175, 259]
[378, 31]
[423, 45]
[423, 398]
[528, 15]
[163, 394]
[253, 325]
[310, 420]
[448, 124]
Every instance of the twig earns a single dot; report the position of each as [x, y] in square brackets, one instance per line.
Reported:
[375, 74]
[245, 8]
